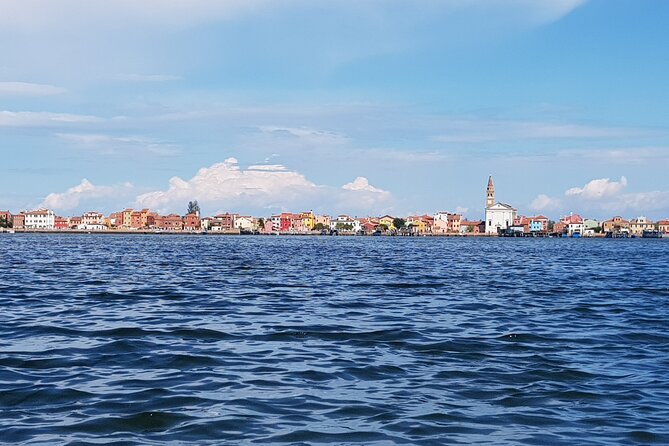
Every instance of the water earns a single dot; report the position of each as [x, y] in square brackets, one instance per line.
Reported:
[181, 340]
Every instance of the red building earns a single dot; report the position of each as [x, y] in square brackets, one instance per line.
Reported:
[225, 221]
[191, 222]
[172, 222]
[61, 223]
[19, 221]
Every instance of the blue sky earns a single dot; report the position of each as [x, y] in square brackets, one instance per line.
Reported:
[363, 107]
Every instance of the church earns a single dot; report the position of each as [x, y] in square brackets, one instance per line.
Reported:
[498, 216]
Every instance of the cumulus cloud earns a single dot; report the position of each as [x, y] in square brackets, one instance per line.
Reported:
[29, 89]
[83, 192]
[603, 197]
[362, 184]
[599, 188]
[227, 187]
[545, 203]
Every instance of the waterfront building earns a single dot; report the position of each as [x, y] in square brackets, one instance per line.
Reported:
[246, 223]
[308, 220]
[472, 227]
[205, 223]
[39, 219]
[191, 222]
[345, 223]
[115, 219]
[6, 217]
[126, 220]
[571, 224]
[368, 225]
[616, 225]
[92, 218]
[19, 220]
[498, 216]
[61, 223]
[172, 222]
[387, 221]
[640, 224]
[663, 226]
[224, 222]
[324, 220]
[74, 222]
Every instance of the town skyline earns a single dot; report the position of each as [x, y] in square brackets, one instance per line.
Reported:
[266, 106]
[501, 219]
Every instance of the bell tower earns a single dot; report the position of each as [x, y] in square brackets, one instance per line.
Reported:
[490, 194]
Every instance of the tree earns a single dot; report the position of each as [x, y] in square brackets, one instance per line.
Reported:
[399, 222]
[5, 222]
[319, 227]
[193, 208]
[261, 223]
[382, 227]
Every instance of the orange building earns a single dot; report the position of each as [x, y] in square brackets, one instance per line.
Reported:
[191, 222]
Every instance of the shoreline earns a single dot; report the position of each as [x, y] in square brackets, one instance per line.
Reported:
[283, 234]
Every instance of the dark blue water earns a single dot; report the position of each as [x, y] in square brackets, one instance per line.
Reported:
[180, 340]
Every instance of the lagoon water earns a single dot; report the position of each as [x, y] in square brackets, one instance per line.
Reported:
[183, 340]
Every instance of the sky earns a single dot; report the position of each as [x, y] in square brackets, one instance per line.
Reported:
[363, 107]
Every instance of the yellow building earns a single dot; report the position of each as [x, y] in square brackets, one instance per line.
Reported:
[308, 220]
[126, 218]
[387, 221]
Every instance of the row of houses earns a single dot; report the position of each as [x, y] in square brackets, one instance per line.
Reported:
[440, 223]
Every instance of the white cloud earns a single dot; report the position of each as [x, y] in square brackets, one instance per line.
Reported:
[268, 167]
[604, 197]
[362, 184]
[42, 119]
[227, 187]
[599, 188]
[85, 191]
[148, 77]
[29, 89]
[545, 203]
[461, 210]
[120, 145]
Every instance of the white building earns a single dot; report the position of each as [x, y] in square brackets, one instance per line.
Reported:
[92, 227]
[343, 220]
[498, 216]
[245, 223]
[40, 219]
[92, 218]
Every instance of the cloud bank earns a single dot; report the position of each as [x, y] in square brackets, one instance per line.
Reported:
[603, 196]
[261, 189]
[82, 193]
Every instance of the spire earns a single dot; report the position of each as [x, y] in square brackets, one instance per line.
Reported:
[490, 193]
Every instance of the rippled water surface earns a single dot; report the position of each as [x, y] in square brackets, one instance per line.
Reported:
[180, 340]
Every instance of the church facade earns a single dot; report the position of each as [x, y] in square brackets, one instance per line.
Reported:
[498, 216]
